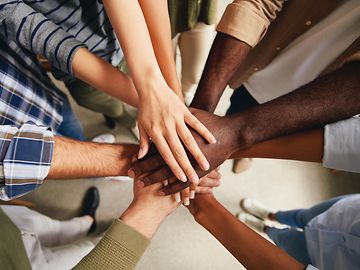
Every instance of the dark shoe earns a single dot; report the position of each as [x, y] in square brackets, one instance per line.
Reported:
[90, 205]
[110, 122]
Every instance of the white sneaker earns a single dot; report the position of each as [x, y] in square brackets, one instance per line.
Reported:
[104, 138]
[255, 208]
[251, 221]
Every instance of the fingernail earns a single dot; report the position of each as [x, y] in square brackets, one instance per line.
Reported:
[186, 201]
[161, 193]
[178, 197]
[140, 154]
[192, 194]
[141, 184]
[182, 177]
[166, 183]
[205, 165]
[212, 139]
[194, 178]
[131, 173]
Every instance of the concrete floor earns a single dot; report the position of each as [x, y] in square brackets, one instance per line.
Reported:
[181, 243]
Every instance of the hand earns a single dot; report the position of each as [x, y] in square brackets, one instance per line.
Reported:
[217, 153]
[148, 209]
[164, 118]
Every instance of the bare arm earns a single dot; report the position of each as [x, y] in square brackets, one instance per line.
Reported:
[158, 23]
[303, 146]
[75, 159]
[226, 55]
[95, 71]
[248, 247]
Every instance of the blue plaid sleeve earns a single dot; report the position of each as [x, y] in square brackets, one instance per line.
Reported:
[25, 158]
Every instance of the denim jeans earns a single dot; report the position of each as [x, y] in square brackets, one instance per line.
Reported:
[292, 240]
[70, 126]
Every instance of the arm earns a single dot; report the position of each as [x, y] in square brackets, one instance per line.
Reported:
[162, 115]
[95, 71]
[158, 23]
[74, 159]
[248, 247]
[33, 31]
[242, 26]
[127, 239]
[327, 99]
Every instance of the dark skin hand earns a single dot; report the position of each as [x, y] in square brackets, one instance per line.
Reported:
[219, 126]
[328, 99]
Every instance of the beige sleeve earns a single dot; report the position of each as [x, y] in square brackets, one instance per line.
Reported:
[248, 20]
[120, 248]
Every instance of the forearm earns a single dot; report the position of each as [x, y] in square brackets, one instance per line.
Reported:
[158, 24]
[130, 26]
[330, 98]
[74, 159]
[226, 55]
[102, 75]
[304, 146]
[249, 248]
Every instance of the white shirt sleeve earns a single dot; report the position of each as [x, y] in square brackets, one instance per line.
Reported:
[342, 145]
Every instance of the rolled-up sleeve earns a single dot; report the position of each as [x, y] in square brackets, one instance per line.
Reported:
[37, 33]
[25, 158]
[342, 145]
[248, 20]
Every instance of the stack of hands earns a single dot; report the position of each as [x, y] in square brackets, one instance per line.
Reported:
[154, 169]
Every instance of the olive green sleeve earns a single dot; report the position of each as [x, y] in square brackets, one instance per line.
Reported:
[120, 248]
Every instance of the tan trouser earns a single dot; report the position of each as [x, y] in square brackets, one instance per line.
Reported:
[194, 46]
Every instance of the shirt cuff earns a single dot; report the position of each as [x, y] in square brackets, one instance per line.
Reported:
[241, 21]
[26, 155]
[310, 267]
[342, 145]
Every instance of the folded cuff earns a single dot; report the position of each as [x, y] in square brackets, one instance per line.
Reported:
[242, 22]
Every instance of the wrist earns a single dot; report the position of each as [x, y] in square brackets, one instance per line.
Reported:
[145, 220]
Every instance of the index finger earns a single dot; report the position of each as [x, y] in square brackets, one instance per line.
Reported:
[175, 187]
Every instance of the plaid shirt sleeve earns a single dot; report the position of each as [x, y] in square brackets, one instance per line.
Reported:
[25, 158]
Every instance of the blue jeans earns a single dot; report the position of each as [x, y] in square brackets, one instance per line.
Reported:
[70, 126]
[292, 240]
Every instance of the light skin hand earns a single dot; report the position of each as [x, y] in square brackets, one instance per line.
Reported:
[162, 116]
[216, 153]
[148, 209]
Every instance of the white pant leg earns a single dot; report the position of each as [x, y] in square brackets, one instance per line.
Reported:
[195, 46]
[67, 256]
[49, 231]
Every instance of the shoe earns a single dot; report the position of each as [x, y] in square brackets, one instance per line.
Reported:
[110, 122]
[104, 138]
[241, 165]
[255, 208]
[251, 221]
[90, 205]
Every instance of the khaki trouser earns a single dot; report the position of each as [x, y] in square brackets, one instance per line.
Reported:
[194, 46]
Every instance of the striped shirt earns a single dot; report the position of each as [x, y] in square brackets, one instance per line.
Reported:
[56, 29]
[30, 105]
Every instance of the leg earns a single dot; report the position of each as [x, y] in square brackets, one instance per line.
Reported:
[50, 232]
[67, 256]
[70, 126]
[292, 241]
[91, 98]
[194, 47]
[300, 217]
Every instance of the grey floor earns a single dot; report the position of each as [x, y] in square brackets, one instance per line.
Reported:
[180, 242]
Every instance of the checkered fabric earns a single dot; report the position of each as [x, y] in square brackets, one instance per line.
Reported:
[25, 158]
[30, 107]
